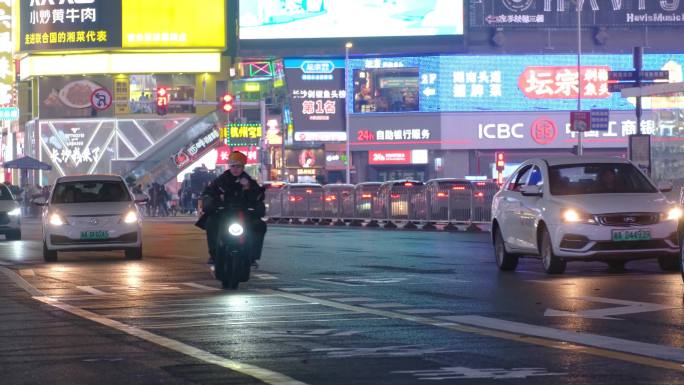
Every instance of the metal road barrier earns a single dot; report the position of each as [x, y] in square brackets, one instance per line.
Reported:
[441, 201]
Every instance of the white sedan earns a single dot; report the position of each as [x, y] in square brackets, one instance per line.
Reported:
[10, 215]
[90, 213]
[584, 209]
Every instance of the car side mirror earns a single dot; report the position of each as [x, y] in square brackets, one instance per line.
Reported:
[665, 186]
[531, 191]
[40, 201]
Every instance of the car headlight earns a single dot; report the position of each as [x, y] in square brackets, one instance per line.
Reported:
[236, 229]
[576, 216]
[15, 213]
[673, 214]
[130, 217]
[56, 220]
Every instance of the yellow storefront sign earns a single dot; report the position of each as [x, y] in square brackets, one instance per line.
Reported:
[173, 24]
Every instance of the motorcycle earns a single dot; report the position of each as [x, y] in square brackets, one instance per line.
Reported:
[233, 260]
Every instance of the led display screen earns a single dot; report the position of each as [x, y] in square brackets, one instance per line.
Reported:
[315, 19]
[462, 83]
[386, 90]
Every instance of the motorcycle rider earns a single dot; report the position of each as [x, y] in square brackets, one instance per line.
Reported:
[234, 186]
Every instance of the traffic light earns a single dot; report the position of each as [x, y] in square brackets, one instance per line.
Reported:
[500, 161]
[227, 103]
[162, 101]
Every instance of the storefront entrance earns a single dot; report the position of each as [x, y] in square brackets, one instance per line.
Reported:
[386, 174]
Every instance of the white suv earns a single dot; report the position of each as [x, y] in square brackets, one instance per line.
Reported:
[583, 209]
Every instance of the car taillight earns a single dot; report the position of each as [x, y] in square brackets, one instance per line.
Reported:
[479, 194]
[480, 184]
[395, 196]
[330, 198]
[408, 184]
[366, 196]
[458, 188]
[442, 195]
[308, 191]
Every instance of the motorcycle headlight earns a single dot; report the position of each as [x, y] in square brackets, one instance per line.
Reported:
[15, 213]
[236, 229]
[576, 216]
[130, 217]
[56, 220]
[673, 214]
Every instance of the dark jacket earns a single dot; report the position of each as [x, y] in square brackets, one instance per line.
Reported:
[228, 189]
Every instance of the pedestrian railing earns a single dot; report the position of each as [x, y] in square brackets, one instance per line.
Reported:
[464, 203]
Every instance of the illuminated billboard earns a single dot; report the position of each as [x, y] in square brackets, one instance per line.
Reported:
[316, 19]
[112, 24]
[473, 83]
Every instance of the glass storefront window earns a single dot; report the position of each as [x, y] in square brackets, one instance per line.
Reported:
[144, 87]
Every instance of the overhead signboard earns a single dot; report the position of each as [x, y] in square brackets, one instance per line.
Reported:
[317, 94]
[563, 13]
[479, 83]
[321, 19]
[50, 25]
[73, 97]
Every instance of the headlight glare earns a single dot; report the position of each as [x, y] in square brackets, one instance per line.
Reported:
[56, 219]
[15, 213]
[236, 229]
[575, 216]
[130, 217]
[674, 214]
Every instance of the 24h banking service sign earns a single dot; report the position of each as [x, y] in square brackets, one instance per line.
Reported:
[69, 24]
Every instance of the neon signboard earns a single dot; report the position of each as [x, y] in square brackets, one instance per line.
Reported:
[474, 83]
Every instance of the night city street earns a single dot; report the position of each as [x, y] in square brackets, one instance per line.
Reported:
[332, 306]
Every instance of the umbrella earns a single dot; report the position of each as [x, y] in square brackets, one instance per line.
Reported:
[27, 163]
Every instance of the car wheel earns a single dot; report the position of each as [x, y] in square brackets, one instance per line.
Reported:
[669, 263]
[504, 260]
[552, 264]
[135, 253]
[49, 255]
[13, 235]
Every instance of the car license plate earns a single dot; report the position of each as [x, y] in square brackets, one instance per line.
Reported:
[631, 235]
[94, 235]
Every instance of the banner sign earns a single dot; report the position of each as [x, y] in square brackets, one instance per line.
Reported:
[563, 13]
[62, 25]
[477, 83]
[317, 94]
[70, 96]
[306, 158]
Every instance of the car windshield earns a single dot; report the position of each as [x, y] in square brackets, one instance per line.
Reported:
[598, 178]
[90, 192]
[5, 194]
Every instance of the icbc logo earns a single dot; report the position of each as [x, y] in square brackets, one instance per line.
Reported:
[544, 131]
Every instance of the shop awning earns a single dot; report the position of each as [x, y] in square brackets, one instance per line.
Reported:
[27, 163]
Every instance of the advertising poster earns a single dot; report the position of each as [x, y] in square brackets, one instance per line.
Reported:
[61, 25]
[7, 90]
[476, 83]
[563, 13]
[73, 96]
[317, 94]
[305, 158]
[315, 19]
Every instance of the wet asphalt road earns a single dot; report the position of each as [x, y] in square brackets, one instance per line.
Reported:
[332, 306]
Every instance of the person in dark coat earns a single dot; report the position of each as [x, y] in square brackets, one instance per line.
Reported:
[234, 186]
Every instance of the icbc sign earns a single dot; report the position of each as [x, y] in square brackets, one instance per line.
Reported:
[544, 131]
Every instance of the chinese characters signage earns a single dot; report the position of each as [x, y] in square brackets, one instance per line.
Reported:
[251, 152]
[7, 91]
[563, 13]
[476, 83]
[69, 24]
[317, 94]
[237, 133]
[194, 150]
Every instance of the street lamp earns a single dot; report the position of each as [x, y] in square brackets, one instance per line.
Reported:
[347, 47]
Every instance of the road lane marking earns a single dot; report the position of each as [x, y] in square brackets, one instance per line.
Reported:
[265, 375]
[264, 276]
[200, 286]
[626, 307]
[556, 339]
[463, 373]
[92, 290]
[422, 311]
[27, 273]
[328, 281]
[617, 346]
[353, 299]
[21, 282]
[385, 305]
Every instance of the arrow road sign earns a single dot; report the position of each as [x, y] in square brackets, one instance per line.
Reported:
[626, 307]
[653, 89]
